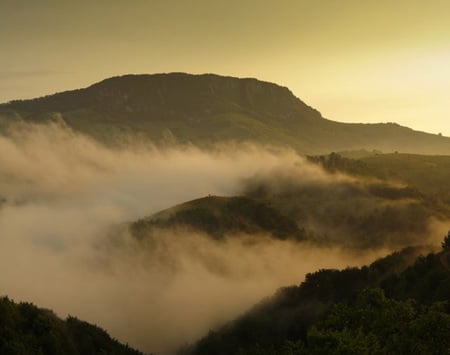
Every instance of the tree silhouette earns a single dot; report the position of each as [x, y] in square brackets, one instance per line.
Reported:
[446, 242]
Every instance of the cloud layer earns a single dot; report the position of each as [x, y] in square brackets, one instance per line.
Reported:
[64, 242]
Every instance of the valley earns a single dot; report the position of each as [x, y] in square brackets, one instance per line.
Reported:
[202, 214]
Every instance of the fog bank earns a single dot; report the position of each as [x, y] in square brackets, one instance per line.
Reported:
[64, 244]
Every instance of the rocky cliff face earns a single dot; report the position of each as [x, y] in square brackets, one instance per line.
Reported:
[171, 95]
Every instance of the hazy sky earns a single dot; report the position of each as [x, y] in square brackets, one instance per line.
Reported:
[353, 60]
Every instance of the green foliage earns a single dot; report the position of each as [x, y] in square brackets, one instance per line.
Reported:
[26, 329]
[374, 324]
[427, 280]
[384, 308]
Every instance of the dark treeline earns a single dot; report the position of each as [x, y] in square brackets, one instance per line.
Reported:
[425, 173]
[220, 217]
[384, 308]
[352, 213]
[26, 329]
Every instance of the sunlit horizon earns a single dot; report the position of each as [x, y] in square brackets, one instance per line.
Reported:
[352, 61]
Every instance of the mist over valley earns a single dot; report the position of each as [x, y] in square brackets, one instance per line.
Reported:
[163, 207]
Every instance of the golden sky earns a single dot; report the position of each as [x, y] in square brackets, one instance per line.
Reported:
[355, 61]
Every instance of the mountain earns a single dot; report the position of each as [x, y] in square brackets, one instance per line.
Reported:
[220, 217]
[385, 308]
[206, 109]
[27, 329]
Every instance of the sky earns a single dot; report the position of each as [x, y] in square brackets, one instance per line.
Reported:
[353, 60]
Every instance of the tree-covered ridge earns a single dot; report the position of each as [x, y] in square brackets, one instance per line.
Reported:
[222, 216]
[428, 174]
[354, 213]
[319, 211]
[372, 324]
[26, 329]
[383, 308]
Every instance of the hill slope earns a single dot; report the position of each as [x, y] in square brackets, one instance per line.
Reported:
[384, 308]
[319, 211]
[26, 329]
[208, 108]
[222, 216]
[429, 174]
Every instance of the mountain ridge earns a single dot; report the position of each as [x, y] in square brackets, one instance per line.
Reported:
[207, 108]
[220, 216]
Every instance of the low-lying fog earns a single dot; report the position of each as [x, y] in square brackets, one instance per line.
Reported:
[63, 244]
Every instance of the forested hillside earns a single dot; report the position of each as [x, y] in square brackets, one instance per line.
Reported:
[220, 217]
[427, 173]
[27, 329]
[382, 308]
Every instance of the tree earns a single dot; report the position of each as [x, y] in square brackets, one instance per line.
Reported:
[446, 242]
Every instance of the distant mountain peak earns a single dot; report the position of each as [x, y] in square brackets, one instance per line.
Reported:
[204, 109]
[200, 94]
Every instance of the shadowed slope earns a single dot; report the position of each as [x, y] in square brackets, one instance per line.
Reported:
[222, 216]
[26, 329]
[334, 312]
